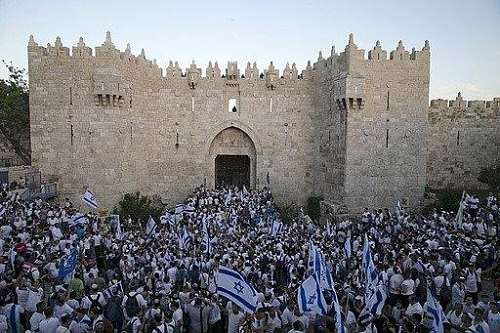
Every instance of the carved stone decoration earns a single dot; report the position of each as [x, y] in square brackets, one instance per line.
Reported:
[272, 76]
[193, 75]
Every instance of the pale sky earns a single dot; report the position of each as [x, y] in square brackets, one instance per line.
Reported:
[464, 35]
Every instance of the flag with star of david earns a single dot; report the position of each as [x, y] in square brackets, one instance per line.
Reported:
[310, 297]
[233, 286]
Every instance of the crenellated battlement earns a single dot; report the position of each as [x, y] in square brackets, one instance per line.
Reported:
[459, 108]
[352, 58]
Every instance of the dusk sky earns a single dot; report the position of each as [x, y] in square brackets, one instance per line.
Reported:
[464, 35]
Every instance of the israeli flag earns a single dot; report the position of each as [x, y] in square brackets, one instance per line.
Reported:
[89, 199]
[369, 271]
[435, 312]
[276, 228]
[310, 261]
[2, 210]
[167, 218]
[77, 219]
[347, 247]
[338, 313]
[182, 208]
[374, 305]
[231, 285]
[185, 240]
[69, 264]
[150, 226]
[113, 290]
[310, 297]
[329, 230]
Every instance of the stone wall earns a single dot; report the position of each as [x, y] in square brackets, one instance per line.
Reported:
[354, 130]
[116, 123]
[463, 138]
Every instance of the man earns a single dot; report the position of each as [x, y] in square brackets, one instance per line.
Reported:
[81, 323]
[198, 313]
[50, 324]
[234, 318]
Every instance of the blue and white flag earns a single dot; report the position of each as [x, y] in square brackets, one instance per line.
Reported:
[231, 285]
[89, 199]
[167, 218]
[276, 228]
[185, 240]
[150, 226]
[2, 210]
[113, 290]
[228, 198]
[347, 247]
[182, 208]
[310, 261]
[338, 312]
[310, 297]
[435, 312]
[329, 229]
[369, 272]
[374, 305]
[245, 191]
[69, 264]
[78, 219]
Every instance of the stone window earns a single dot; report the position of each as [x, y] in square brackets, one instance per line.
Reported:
[231, 105]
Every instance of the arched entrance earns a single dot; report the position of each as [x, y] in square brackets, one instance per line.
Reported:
[232, 156]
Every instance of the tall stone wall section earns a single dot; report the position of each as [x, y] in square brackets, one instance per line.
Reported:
[378, 111]
[118, 123]
[463, 138]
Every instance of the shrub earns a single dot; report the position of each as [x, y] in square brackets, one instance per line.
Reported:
[491, 176]
[448, 199]
[139, 207]
[289, 212]
[313, 207]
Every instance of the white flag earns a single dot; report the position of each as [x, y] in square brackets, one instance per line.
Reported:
[231, 285]
[89, 199]
[310, 297]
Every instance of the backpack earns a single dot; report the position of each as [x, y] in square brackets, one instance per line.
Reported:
[113, 310]
[130, 326]
[132, 305]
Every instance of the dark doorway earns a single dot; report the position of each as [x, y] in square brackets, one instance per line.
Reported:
[232, 170]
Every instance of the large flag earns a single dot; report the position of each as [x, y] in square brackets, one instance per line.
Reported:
[231, 285]
[310, 297]
[89, 199]
[435, 312]
[69, 264]
[150, 226]
[374, 305]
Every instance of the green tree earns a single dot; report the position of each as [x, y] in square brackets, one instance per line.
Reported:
[14, 112]
[139, 207]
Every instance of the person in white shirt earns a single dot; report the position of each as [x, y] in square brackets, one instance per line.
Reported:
[455, 317]
[50, 324]
[493, 317]
[414, 308]
[234, 319]
[37, 317]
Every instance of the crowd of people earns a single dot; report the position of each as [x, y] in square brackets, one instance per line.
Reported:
[62, 270]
